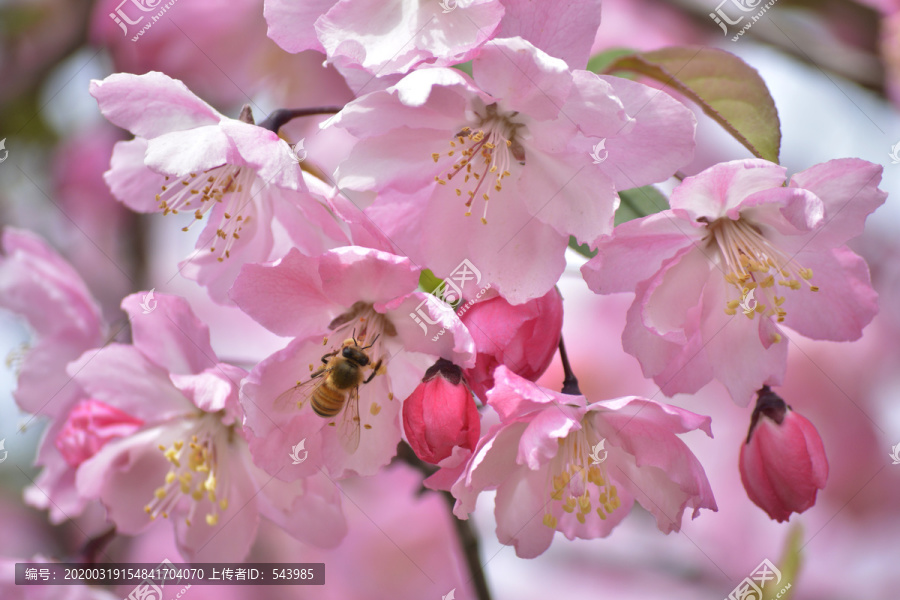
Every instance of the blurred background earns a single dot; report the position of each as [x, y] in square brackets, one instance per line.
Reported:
[833, 68]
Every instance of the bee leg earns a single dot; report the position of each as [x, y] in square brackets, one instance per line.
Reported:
[375, 369]
[328, 357]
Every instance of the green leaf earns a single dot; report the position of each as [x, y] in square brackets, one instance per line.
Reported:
[430, 283]
[582, 249]
[465, 67]
[640, 202]
[728, 90]
[600, 62]
[789, 565]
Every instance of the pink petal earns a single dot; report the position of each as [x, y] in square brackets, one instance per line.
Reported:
[152, 104]
[129, 179]
[715, 191]
[849, 189]
[292, 24]
[636, 249]
[845, 302]
[527, 79]
[170, 334]
[562, 29]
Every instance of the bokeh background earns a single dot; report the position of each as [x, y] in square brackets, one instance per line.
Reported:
[833, 68]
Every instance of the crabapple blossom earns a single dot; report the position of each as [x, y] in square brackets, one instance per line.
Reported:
[441, 414]
[524, 337]
[187, 157]
[543, 460]
[782, 463]
[514, 145]
[350, 293]
[186, 456]
[733, 229]
[36, 283]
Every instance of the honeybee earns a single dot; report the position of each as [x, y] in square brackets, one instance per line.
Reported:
[333, 389]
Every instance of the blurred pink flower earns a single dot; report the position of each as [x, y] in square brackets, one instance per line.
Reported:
[519, 137]
[524, 337]
[441, 414]
[733, 229]
[385, 37]
[187, 157]
[347, 293]
[544, 459]
[782, 463]
[189, 460]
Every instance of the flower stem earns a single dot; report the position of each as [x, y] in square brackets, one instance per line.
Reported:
[279, 117]
[570, 382]
[468, 538]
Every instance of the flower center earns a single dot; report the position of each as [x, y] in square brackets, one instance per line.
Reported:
[484, 156]
[752, 263]
[200, 192]
[195, 474]
[574, 475]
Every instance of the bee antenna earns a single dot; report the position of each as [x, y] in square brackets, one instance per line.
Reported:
[373, 341]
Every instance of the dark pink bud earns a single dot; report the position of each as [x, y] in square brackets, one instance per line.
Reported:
[441, 414]
[783, 462]
[91, 425]
[524, 337]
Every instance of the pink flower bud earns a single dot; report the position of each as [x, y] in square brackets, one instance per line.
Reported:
[524, 337]
[90, 426]
[441, 414]
[783, 462]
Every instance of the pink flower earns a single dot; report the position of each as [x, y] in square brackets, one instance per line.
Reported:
[346, 294]
[733, 229]
[187, 157]
[441, 414]
[783, 463]
[188, 459]
[518, 138]
[561, 464]
[36, 283]
[523, 337]
[49, 294]
[385, 37]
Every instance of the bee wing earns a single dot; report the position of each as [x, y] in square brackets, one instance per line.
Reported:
[298, 395]
[349, 427]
